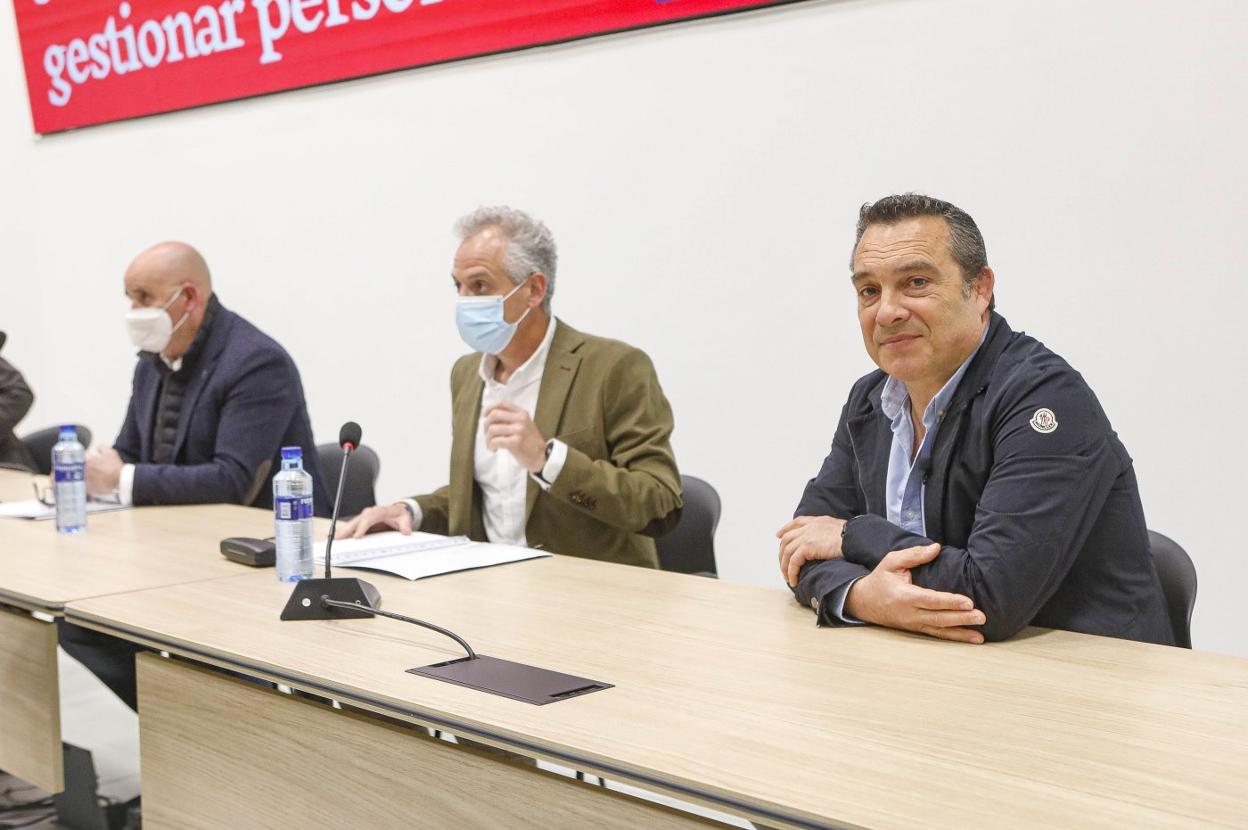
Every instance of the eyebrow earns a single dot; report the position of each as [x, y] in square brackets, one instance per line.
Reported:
[474, 272]
[912, 265]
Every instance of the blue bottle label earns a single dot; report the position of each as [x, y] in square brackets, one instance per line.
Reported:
[293, 508]
[68, 472]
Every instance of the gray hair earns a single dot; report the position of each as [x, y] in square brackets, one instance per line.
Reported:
[530, 244]
[966, 243]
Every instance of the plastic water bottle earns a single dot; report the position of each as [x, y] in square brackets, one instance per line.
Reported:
[292, 507]
[69, 484]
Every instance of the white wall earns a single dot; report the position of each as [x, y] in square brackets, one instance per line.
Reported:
[702, 180]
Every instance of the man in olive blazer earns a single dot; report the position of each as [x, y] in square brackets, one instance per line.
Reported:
[589, 469]
[619, 484]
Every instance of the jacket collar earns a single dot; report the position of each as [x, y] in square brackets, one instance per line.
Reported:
[977, 374]
[187, 361]
[562, 364]
[202, 360]
[871, 432]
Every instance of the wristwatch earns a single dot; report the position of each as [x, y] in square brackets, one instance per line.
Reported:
[550, 446]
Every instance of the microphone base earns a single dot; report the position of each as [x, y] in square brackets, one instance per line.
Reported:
[305, 600]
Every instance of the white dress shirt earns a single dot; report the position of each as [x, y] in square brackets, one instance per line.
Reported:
[503, 482]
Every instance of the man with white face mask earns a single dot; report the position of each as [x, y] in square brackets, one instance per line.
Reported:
[561, 440]
[213, 401]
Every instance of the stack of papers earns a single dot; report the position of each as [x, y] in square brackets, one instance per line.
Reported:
[419, 555]
[33, 509]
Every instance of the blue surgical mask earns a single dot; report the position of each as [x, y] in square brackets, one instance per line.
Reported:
[482, 325]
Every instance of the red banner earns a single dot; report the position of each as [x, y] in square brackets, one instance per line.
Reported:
[92, 61]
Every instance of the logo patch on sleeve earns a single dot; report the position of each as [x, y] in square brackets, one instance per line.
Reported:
[1044, 421]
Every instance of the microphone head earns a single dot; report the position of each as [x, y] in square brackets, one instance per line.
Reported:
[349, 435]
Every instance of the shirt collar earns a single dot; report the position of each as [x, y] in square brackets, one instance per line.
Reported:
[895, 400]
[530, 370]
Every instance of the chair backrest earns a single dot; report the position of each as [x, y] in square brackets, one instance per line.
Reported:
[358, 491]
[40, 443]
[1178, 583]
[690, 547]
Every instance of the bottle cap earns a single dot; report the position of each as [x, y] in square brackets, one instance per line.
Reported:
[292, 453]
[69, 431]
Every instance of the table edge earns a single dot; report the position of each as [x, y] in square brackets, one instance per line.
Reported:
[439, 720]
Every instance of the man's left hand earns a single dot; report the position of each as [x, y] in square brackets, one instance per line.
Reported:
[805, 539]
[103, 471]
[508, 427]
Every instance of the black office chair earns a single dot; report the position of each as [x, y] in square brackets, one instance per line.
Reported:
[690, 548]
[358, 492]
[1178, 583]
[41, 442]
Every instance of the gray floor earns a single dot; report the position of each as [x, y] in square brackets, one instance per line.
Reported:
[93, 718]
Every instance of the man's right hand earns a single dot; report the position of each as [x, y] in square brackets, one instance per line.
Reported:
[887, 597]
[377, 518]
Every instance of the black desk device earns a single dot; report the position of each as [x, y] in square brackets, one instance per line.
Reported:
[258, 553]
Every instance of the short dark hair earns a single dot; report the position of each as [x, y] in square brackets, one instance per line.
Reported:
[966, 243]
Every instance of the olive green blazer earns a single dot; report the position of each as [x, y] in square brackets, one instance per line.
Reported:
[619, 485]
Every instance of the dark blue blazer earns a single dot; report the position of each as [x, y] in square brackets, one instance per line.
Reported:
[243, 403]
[1038, 525]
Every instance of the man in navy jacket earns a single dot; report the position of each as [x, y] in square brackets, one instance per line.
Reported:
[974, 485]
[214, 400]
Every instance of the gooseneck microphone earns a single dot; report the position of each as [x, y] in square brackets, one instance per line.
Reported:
[352, 597]
[336, 598]
[349, 439]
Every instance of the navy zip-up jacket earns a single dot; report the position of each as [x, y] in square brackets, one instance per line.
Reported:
[242, 405]
[1039, 517]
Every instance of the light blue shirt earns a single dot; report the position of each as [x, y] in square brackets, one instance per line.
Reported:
[906, 485]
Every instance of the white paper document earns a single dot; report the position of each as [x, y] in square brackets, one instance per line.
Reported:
[34, 509]
[421, 554]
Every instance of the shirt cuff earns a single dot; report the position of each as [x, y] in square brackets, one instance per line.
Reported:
[125, 486]
[418, 515]
[554, 464]
[834, 605]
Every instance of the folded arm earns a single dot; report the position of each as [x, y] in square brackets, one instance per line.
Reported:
[1043, 495]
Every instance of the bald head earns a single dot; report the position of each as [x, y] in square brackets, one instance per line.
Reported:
[169, 265]
[171, 273]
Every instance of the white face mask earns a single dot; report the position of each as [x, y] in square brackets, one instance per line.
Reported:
[150, 328]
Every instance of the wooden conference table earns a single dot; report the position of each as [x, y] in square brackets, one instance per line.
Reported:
[725, 696]
[41, 571]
